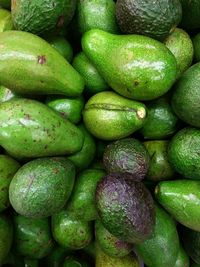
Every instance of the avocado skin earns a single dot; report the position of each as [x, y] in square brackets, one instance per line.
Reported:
[31, 129]
[110, 244]
[42, 16]
[56, 257]
[134, 66]
[6, 94]
[155, 20]
[191, 13]
[186, 96]
[183, 153]
[163, 239]
[6, 233]
[32, 237]
[72, 261]
[180, 198]
[28, 189]
[30, 65]
[125, 208]
[182, 259]
[5, 20]
[127, 156]
[196, 42]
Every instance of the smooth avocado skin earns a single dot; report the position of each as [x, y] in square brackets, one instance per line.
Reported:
[82, 200]
[94, 83]
[41, 187]
[125, 208]
[111, 245]
[162, 247]
[31, 129]
[181, 46]
[109, 116]
[5, 20]
[40, 16]
[32, 237]
[183, 259]
[127, 156]
[70, 232]
[180, 199]
[186, 96]
[159, 166]
[183, 153]
[6, 233]
[190, 14]
[161, 121]
[8, 167]
[36, 66]
[134, 66]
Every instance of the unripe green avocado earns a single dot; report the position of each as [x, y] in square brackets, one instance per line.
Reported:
[5, 20]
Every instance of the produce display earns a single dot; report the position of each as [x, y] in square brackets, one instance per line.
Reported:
[99, 133]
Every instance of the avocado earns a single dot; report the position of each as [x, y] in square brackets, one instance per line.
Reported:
[161, 121]
[196, 45]
[104, 260]
[72, 261]
[134, 66]
[42, 187]
[183, 153]
[190, 14]
[71, 232]
[180, 198]
[127, 156]
[109, 116]
[94, 83]
[125, 208]
[30, 65]
[95, 14]
[40, 16]
[111, 245]
[31, 263]
[32, 237]
[13, 260]
[6, 94]
[30, 129]
[6, 233]
[5, 20]
[182, 259]
[56, 257]
[82, 200]
[69, 108]
[186, 96]
[159, 167]
[156, 20]
[8, 167]
[180, 44]
[162, 247]
[5, 3]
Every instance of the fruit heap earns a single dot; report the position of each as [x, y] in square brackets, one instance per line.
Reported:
[99, 133]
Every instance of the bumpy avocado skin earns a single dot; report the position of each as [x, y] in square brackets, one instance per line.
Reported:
[32, 237]
[42, 187]
[30, 65]
[127, 156]
[125, 208]
[31, 129]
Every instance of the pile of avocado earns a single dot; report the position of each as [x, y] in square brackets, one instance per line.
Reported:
[99, 133]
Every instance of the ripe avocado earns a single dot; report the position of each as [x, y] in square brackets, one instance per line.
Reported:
[127, 156]
[191, 13]
[41, 16]
[155, 20]
[125, 207]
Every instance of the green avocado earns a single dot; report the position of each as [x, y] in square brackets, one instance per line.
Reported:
[161, 121]
[181, 199]
[109, 116]
[6, 234]
[111, 245]
[156, 20]
[127, 156]
[41, 16]
[70, 232]
[8, 167]
[30, 129]
[6, 94]
[125, 208]
[56, 257]
[182, 259]
[94, 83]
[5, 20]
[159, 167]
[186, 96]
[183, 153]
[135, 66]
[161, 249]
[196, 45]
[32, 237]
[82, 200]
[42, 187]
[30, 65]
[72, 261]
[190, 14]
[180, 44]
[5, 3]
